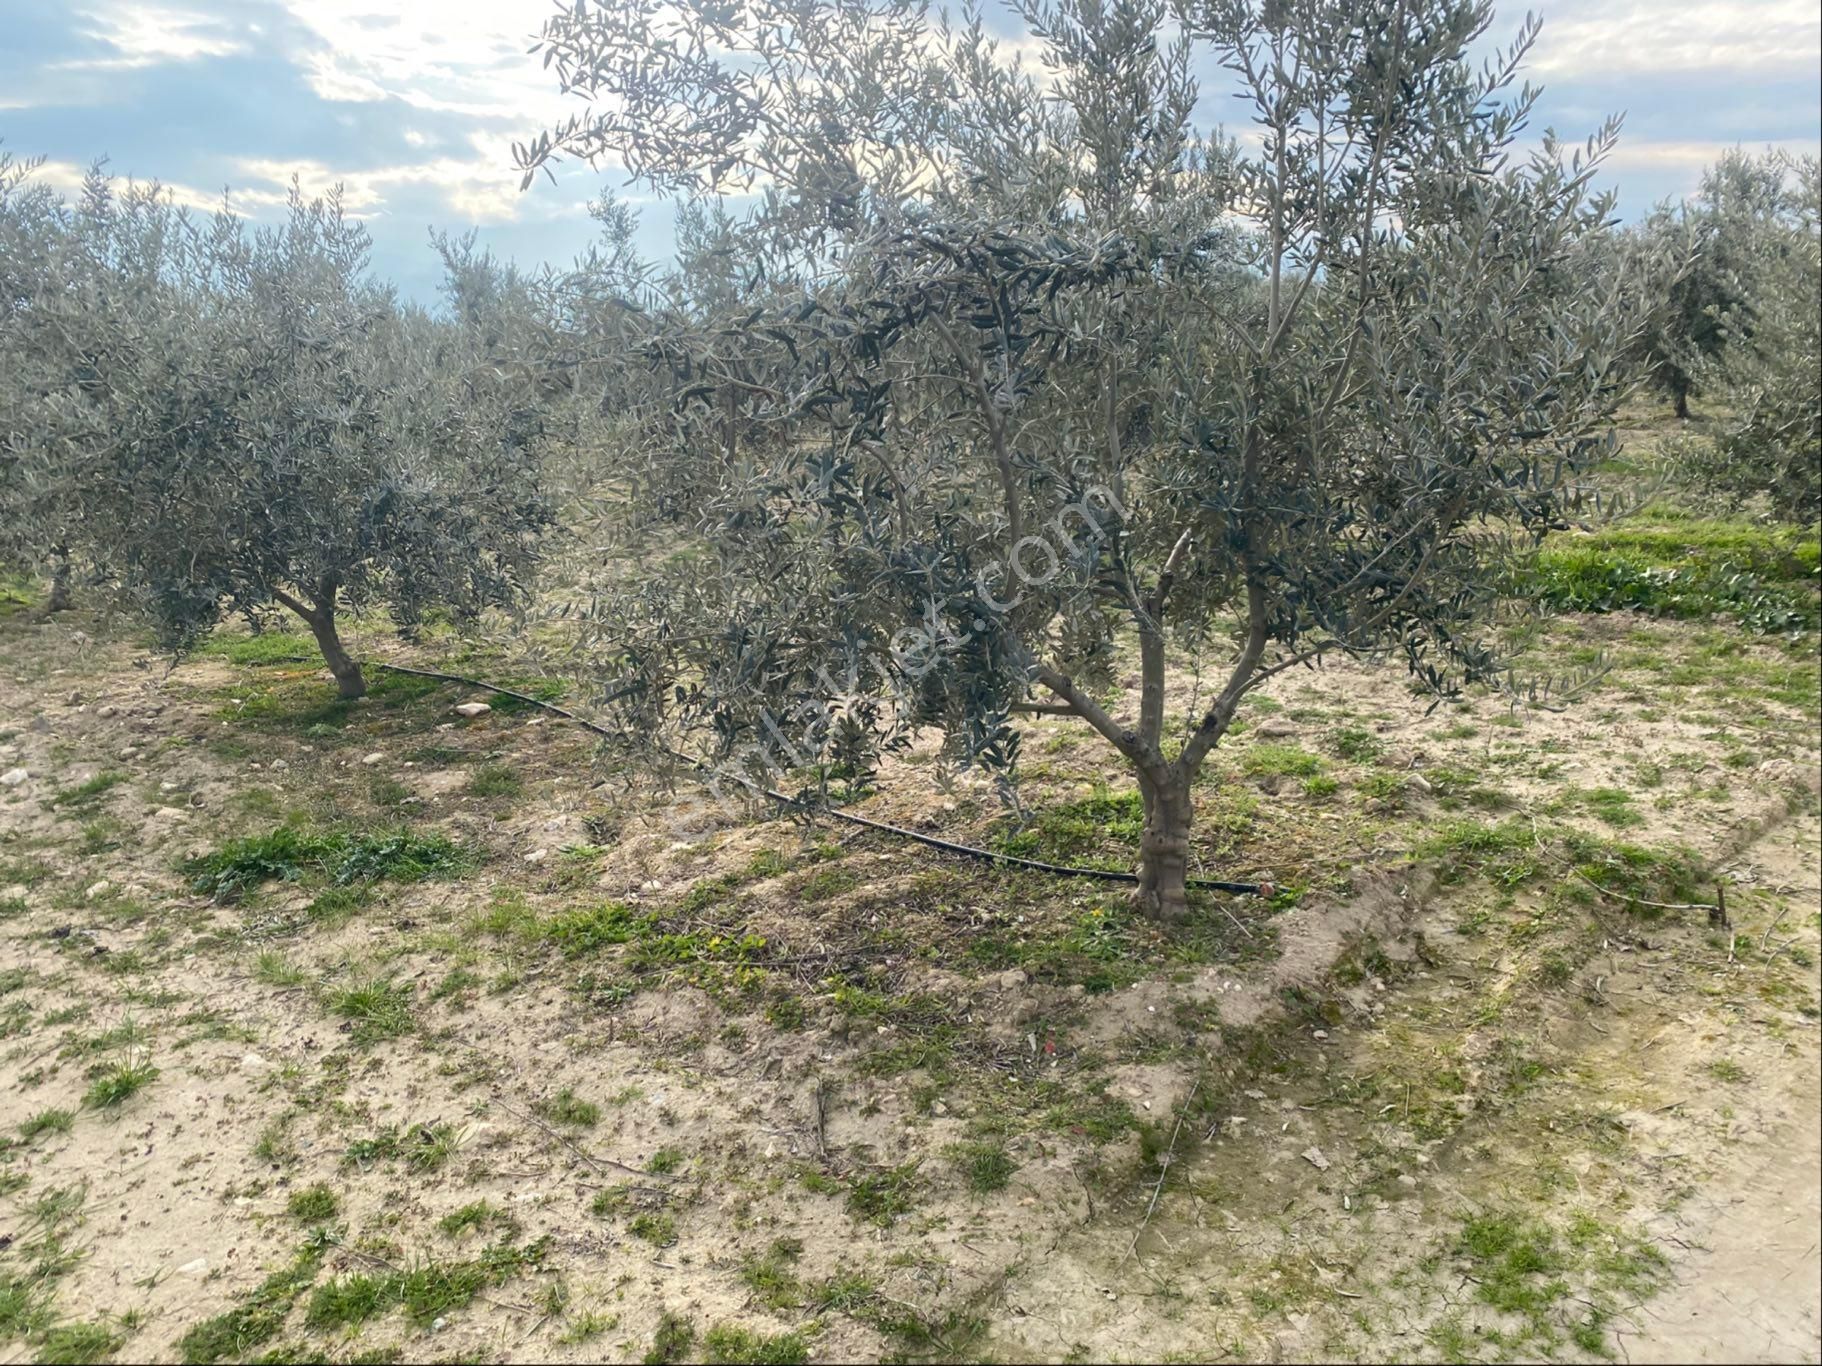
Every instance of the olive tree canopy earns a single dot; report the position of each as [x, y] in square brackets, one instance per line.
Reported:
[1025, 372]
[238, 417]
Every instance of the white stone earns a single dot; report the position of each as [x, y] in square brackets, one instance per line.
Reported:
[97, 889]
[170, 813]
[1314, 1157]
[372, 758]
[472, 709]
[537, 856]
[252, 1062]
[196, 1268]
[14, 776]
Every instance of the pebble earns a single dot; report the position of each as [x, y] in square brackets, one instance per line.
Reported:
[167, 786]
[170, 813]
[14, 776]
[1314, 1157]
[537, 856]
[106, 710]
[372, 758]
[472, 709]
[129, 752]
[195, 1268]
[99, 889]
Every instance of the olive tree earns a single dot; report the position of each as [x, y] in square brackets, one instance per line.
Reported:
[245, 418]
[60, 267]
[1769, 444]
[1033, 374]
[1700, 261]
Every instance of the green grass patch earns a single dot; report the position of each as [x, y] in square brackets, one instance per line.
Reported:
[425, 1292]
[882, 1197]
[265, 649]
[118, 1084]
[671, 1341]
[51, 1121]
[567, 1108]
[771, 1275]
[728, 1344]
[89, 792]
[985, 1167]
[289, 853]
[1763, 577]
[1099, 831]
[376, 1009]
[313, 1205]
[1282, 761]
[75, 1344]
[495, 780]
[478, 1217]
[234, 1335]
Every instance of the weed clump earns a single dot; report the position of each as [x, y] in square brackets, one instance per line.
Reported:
[289, 853]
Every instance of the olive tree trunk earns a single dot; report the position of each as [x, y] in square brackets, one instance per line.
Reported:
[1163, 891]
[349, 682]
[320, 618]
[60, 581]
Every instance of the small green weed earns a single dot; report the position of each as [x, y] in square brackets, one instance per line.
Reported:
[119, 1084]
[313, 1205]
[376, 1009]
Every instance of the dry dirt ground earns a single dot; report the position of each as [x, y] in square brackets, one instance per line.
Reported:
[379, 1032]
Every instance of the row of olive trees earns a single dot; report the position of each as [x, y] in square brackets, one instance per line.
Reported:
[208, 419]
[1011, 368]
[1732, 307]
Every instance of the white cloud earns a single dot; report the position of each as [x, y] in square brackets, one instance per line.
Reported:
[1749, 37]
[459, 56]
[477, 189]
[151, 35]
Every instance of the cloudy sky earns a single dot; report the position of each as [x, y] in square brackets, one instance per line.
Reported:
[413, 105]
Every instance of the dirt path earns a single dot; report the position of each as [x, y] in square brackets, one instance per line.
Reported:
[1751, 1286]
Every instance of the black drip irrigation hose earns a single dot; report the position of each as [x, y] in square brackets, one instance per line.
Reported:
[784, 799]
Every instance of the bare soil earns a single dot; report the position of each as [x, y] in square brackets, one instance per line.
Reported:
[734, 1087]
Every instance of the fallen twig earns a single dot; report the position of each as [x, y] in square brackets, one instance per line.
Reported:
[600, 1164]
[1164, 1164]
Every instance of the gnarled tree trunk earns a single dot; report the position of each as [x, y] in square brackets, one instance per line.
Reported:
[320, 618]
[349, 681]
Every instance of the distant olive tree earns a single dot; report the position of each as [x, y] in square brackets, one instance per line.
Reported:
[1703, 261]
[1769, 444]
[241, 417]
[1025, 371]
[43, 239]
